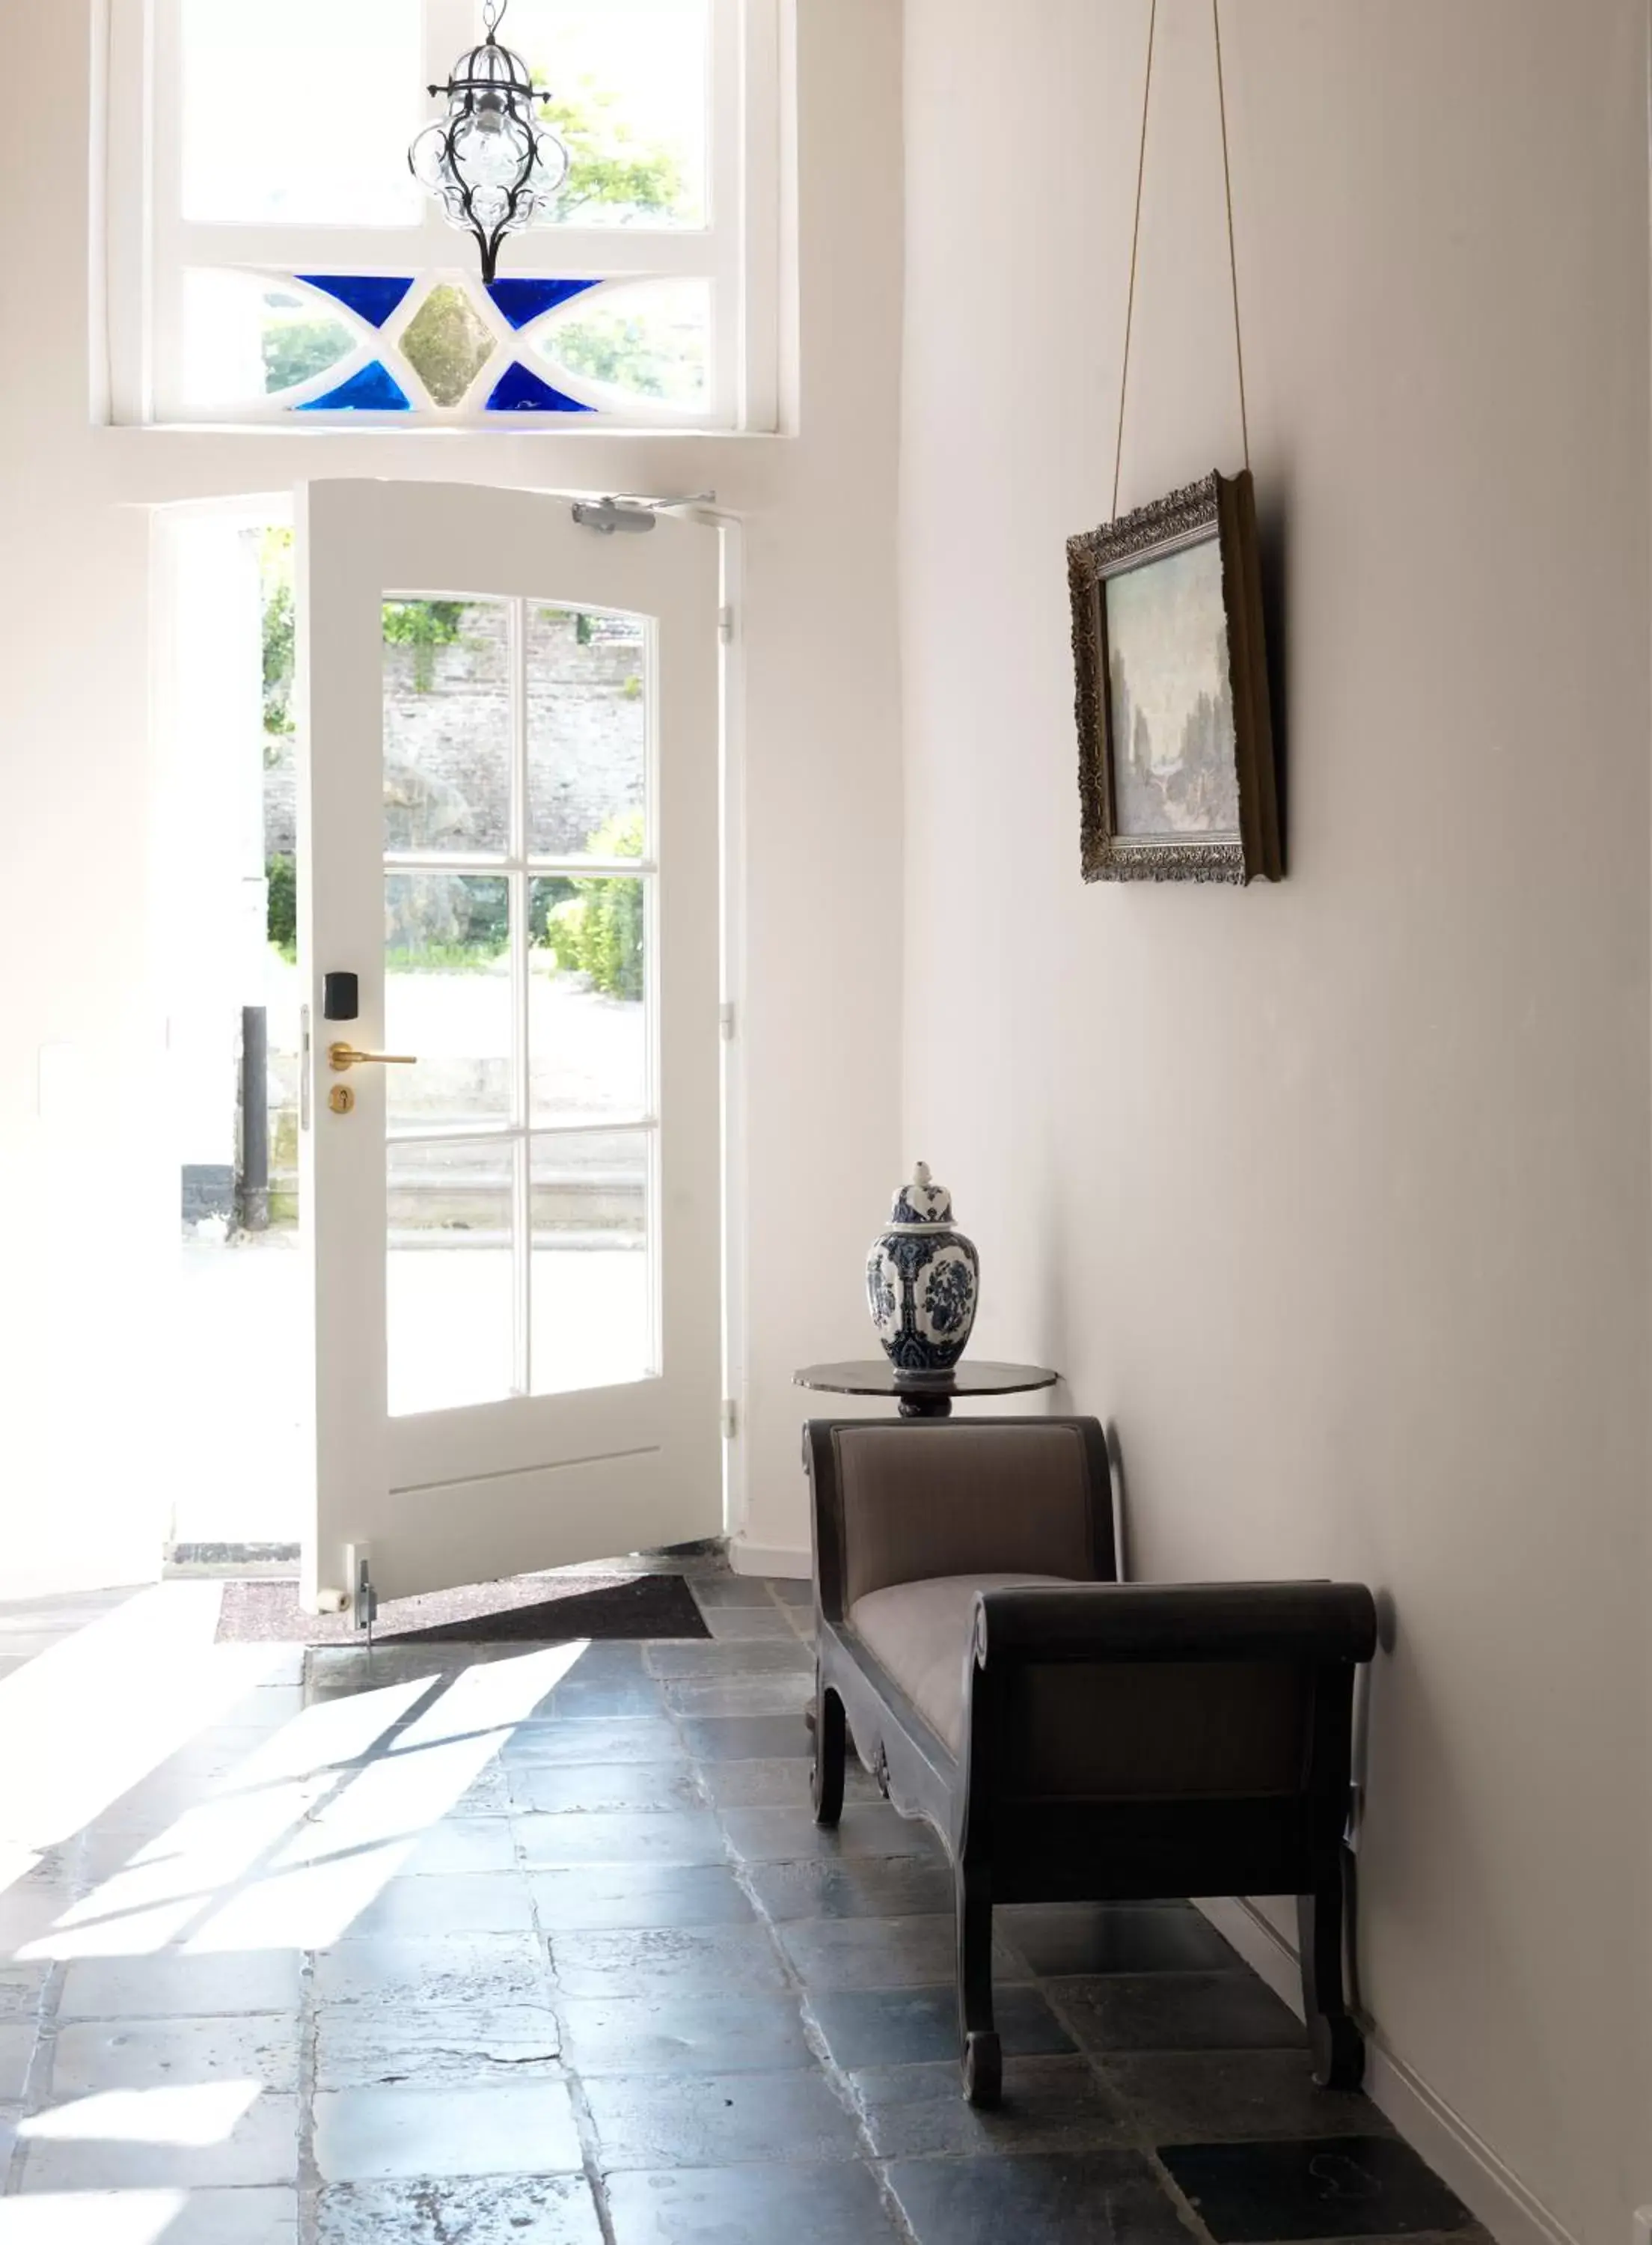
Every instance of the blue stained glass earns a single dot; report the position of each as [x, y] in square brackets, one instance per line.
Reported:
[371, 389]
[518, 390]
[522, 301]
[372, 298]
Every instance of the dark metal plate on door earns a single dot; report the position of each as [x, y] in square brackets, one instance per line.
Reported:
[340, 998]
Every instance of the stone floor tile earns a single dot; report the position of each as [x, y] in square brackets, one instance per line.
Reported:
[97, 2055]
[741, 1695]
[674, 1961]
[462, 1844]
[1058, 2198]
[183, 2136]
[634, 1897]
[542, 2210]
[357, 2045]
[722, 1590]
[437, 1971]
[380, 2134]
[838, 2204]
[29, 1913]
[684, 2034]
[870, 1886]
[714, 1660]
[587, 1788]
[745, 1624]
[1176, 2011]
[881, 1952]
[565, 1842]
[612, 1660]
[915, 2026]
[603, 1740]
[172, 1984]
[8, 2121]
[586, 1697]
[487, 1795]
[1332, 2187]
[1050, 2104]
[1109, 1936]
[455, 1902]
[21, 1988]
[776, 1784]
[267, 2215]
[666, 2120]
[1202, 2097]
[17, 2038]
[742, 1738]
[781, 1835]
[792, 1591]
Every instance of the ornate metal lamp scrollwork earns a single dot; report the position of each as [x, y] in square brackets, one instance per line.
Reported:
[491, 166]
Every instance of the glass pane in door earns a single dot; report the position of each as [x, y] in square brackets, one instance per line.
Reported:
[448, 998]
[592, 1303]
[450, 1273]
[587, 723]
[448, 725]
[587, 1017]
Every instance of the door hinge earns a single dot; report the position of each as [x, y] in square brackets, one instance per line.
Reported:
[725, 625]
[725, 1022]
[730, 1422]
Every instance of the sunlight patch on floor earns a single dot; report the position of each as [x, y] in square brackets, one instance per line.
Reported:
[300, 1836]
[189, 2114]
[89, 1719]
[99, 2217]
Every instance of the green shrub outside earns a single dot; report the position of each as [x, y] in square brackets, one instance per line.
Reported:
[281, 922]
[597, 932]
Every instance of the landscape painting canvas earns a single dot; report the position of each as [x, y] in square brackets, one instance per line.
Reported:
[1176, 773]
[1172, 698]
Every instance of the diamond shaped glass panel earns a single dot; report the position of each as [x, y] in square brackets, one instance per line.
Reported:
[447, 343]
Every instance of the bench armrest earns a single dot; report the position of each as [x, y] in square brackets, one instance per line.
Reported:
[1308, 1622]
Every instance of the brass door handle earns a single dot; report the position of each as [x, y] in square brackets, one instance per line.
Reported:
[340, 1056]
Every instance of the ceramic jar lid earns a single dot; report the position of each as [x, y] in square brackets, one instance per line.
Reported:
[921, 1203]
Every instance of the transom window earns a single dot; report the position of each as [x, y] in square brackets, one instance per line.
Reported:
[285, 266]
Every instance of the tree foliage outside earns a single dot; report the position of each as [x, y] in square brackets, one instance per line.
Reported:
[424, 626]
[598, 931]
[607, 165]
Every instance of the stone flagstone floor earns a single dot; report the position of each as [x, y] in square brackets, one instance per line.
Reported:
[540, 1946]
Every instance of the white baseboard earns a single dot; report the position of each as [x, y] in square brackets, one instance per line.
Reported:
[1490, 2189]
[749, 1559]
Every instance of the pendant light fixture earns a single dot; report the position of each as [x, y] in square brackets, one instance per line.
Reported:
[490, 164]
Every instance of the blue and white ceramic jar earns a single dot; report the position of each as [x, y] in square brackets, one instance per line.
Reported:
[923, 1276]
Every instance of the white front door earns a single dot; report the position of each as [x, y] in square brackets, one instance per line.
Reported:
[514, 1233]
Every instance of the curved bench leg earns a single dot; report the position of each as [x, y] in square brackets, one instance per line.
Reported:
[980, 2054]
[1337, 2046]
[832, 1748]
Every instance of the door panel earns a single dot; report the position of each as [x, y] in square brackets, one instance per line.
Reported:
[514, 1241]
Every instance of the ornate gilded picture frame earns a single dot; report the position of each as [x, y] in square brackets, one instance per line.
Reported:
[1176, 772]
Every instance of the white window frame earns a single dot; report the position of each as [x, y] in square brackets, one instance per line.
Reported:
[149, 246]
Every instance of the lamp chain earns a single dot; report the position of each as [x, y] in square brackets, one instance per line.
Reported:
[1135, 242]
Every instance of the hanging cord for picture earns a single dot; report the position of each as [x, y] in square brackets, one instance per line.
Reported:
[1135, 241]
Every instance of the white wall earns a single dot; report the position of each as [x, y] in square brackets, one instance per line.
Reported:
[89, 1239]
[1335, 1196]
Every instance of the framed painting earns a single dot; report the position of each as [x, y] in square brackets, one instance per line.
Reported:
[1176, 774]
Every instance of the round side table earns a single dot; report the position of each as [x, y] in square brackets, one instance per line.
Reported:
[924, 1395]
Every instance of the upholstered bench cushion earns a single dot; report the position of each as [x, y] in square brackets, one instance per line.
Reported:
[920, 1633]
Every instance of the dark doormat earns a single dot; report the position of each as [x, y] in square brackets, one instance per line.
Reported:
[531, 1610]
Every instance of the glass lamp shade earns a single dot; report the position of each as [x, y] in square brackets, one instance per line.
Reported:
[490, 164]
